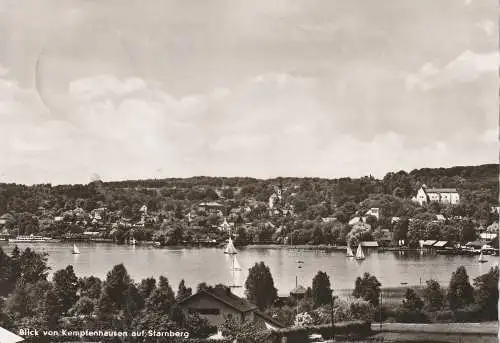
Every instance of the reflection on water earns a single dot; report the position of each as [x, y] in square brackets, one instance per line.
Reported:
[210, 265]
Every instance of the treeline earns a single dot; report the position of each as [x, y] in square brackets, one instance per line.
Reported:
[31, 209]
[460, 301]
[480, 180]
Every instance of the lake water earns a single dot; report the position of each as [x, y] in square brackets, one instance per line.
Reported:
[212, 266]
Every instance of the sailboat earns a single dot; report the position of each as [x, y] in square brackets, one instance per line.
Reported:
[230, 249]
[236, 264]
[349, 252]
[75, 251]
[482, 259]
[359, 253]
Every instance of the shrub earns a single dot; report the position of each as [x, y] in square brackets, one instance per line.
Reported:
[444, 316]
[405, 315]
[345, 310]
[471, 313]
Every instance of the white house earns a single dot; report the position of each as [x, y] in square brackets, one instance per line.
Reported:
[374, 211]
[441, 195]
[488, 235]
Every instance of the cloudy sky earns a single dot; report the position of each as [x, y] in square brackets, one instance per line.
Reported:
[130, 89]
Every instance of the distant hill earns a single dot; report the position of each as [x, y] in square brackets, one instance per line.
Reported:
[478, 185]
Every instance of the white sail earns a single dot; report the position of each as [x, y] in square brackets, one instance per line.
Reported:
[349, 252]
[481, 257]
[359, 253]
[230, 249]
[236, 266]
[75, 249]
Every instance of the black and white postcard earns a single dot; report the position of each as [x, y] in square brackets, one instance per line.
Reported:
[249, 171]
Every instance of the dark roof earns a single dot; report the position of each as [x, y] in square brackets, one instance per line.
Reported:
[477, 243]
[224, 296]
[269, 319]
[441, 190]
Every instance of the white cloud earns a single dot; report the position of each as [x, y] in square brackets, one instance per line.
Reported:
[268, 125]
[92, 87]
[488, 26]
[466, 67]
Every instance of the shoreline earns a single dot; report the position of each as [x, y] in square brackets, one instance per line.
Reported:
[220, 245]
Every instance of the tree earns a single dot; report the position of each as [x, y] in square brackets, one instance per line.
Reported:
[162, 298]
[201, 286]
[321, 291]
[90, 287]
[460, 291]
[401, 229]
[183, 291]
[259, 286]
[134, 303]
[412, 301]
[27, 301]
[433, 230]
[410, 310]
[65, 286]
[5, 319]
[116, 284]
[317, 235]
[467, 232]
[487, 293]
[146, 287]
[106, 310]
[349, 208]
[367, 288]
[433, 296]
[416, 232]
[33, 266]
[241, 235]
[7, 279]
[243, 331]
[83, 307]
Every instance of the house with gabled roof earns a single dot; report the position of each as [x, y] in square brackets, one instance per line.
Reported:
[219, 303]
[441, 195]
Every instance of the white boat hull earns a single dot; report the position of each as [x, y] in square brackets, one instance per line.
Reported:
[45, 240]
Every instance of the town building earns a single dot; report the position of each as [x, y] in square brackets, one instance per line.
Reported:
[374, 211]
[441, 195]
[211, 208]
[219, 303]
